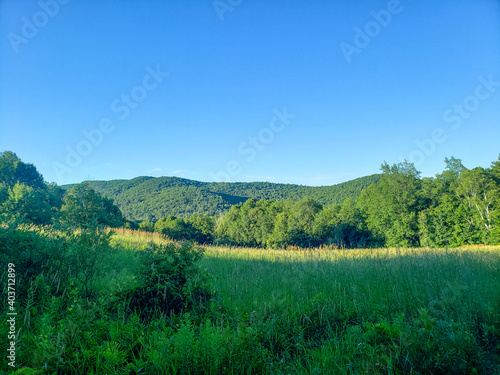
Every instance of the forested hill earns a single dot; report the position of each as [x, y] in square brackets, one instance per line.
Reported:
[150, 198]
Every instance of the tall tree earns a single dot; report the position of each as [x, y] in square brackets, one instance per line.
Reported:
[83, 207]
[13, 170]
[392, 206]
[27, 203]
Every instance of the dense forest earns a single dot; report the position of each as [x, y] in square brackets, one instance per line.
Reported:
[399, 208]
[457, 207]
[148, 198]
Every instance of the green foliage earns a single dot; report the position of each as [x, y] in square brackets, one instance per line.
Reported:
[303, 223]
[13, 170]
[30, 204]
[23, 193]
[54, 257]
[168, 280]
[204, 226]
[147, 226]
[457, 207]
[275, 312]
[463, 207]
[150, 199]
[392, 206]
[84, 207]
[67, 318]
[176, 229]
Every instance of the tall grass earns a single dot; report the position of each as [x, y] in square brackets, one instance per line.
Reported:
[311, 311]
[365, 310]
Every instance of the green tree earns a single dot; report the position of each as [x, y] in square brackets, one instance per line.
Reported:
[439, 222]
[325, 224]
[176, 228]
[392, 206]
[495, 215]
[204, 226]
[146, 226]
[27, 203]
[84, 206]
[13, 170]
[280, 237]
[477, 193]
[23, 193]
[4, 193]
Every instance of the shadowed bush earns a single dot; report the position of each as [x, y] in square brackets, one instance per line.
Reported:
[168, 281]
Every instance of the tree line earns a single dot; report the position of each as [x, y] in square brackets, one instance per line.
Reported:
[154, 198]
[458, 207]
[26, 197]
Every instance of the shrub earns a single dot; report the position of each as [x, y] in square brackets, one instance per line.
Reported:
[169, 280]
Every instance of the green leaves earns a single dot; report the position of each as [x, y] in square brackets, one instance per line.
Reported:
[391, 206]
[169, 280]
[84, 207]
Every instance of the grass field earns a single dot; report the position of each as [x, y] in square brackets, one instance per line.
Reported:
[312, 311]
[357, 311]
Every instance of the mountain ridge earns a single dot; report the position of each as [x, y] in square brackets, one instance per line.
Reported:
[151, 198]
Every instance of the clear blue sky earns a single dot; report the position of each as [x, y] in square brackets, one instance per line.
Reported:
[230, 70]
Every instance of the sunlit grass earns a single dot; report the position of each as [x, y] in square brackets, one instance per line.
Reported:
[360, 307]
[358, 281]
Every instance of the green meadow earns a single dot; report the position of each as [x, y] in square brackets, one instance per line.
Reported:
[295, 311]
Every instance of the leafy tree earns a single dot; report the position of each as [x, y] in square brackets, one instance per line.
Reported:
[4, 193]
[441, 222]
[495, 215]
[392, 206]
[147, 226]
[13, 170]
[84, 206]
[325, 224]
[27, 203]
[204, 226]
[280, 235]
[176, 228]
[476, 191]
[23, 193]
[353, 231]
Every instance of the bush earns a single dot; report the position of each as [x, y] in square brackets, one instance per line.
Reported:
[35, 252]
[56, 256]
[168, 281]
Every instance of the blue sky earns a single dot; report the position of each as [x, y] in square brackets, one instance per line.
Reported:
[313, 93]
